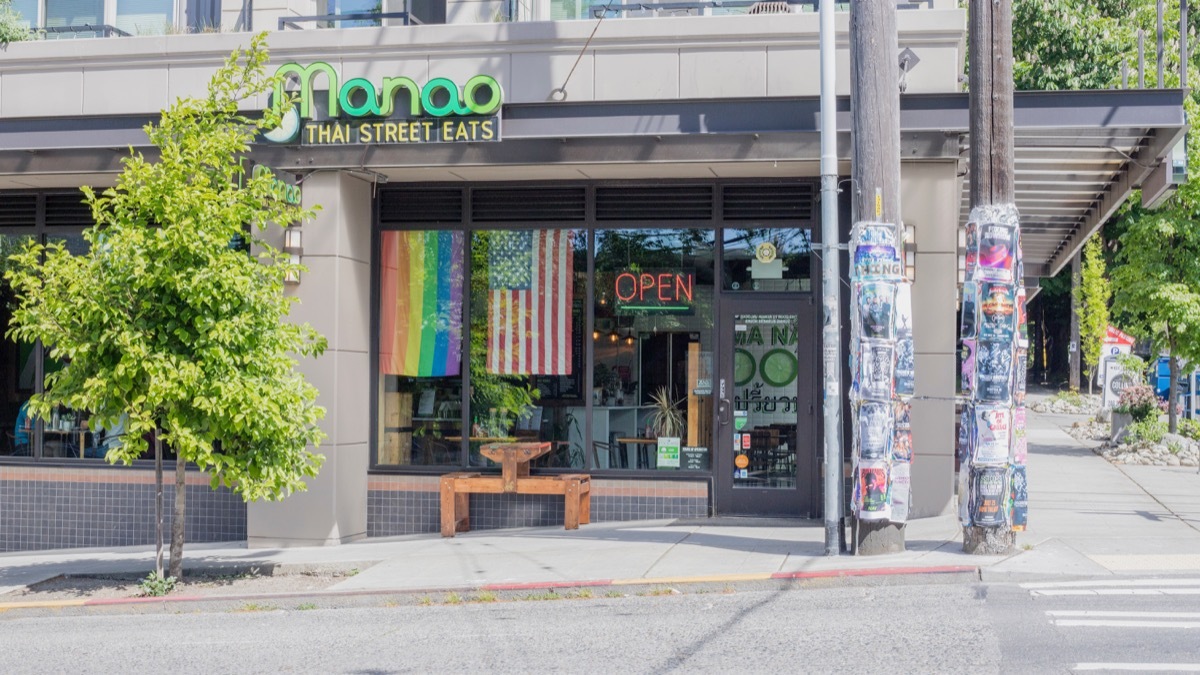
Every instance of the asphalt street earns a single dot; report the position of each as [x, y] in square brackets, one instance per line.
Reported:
[1051, 627]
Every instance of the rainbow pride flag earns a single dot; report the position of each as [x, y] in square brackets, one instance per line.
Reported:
[420, 328]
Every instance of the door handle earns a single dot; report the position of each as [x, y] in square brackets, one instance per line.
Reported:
[723, 406]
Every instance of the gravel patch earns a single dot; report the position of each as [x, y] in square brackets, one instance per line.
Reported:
[201, 583]
[1068, 404]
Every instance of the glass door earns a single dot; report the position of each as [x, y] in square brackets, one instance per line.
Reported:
[765, 460]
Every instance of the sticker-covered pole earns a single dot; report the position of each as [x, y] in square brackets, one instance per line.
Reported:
[992, 443]
[875, 113]
[831, 335]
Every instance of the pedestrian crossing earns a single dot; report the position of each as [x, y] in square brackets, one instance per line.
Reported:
[1090, 615]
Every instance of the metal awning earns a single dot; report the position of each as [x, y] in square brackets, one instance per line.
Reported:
[1078, 153]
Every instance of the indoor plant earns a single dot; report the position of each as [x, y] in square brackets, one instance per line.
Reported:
[666, 420]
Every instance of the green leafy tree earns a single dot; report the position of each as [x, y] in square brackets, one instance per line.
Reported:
[1093, 295]
[1157, 285]
[166, 324]
[13, 28]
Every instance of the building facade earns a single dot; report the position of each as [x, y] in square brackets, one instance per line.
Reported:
[572, 226]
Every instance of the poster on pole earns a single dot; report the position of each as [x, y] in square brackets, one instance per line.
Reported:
[994, 371]
[902, 450]
[997, 312]
[967, 381]
[901, 492]
[876, 306]
[875, 430]
[1020, 441]
[970, 310]
[972, 248]
[997, 252]
[1019, 498]
[876, 254]
[964, 447]
[989, 496]
[876, 370]
[871, 491]
[993, 426]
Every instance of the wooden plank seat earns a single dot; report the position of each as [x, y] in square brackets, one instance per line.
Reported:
[514, 458]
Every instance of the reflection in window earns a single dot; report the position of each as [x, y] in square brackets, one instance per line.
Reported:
[74, 13]
[27, 10]
[765, 259]
[18, 366]
[145, 17]
[527, 352]
[652, 345]
[420, 348]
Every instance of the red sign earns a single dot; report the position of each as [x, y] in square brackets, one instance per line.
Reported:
[643, 291]
[1115, 336]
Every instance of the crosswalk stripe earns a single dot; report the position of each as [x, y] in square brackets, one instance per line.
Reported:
[1156, 667]
[1113, 582]
[1114, 591]
[1118, 613]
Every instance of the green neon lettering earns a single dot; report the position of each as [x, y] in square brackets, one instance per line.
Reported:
[453, 105]
[387, 99]
[370, 106]
[473, 84]
[306, 75]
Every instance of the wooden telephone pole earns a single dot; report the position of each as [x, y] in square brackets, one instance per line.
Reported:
[992, 165]
[875, 163]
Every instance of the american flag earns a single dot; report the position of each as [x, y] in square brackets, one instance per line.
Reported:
[531, 275]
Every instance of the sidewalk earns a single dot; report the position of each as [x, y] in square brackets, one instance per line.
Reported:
[1087, 517]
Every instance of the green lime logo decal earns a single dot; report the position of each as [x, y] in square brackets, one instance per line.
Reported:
[743, 367]
[778, 367]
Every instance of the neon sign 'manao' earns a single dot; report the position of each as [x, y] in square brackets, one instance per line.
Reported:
[381, 102]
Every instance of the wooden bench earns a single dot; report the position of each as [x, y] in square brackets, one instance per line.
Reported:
[514, 478]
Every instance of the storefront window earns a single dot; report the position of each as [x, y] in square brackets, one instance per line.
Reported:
[765, 259]
[527, 350]
[652, 392]
[27, 10]
[19, 371]
[420, 348]
[74, 13]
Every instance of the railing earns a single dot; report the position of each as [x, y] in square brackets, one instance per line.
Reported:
[82, 31]
[328, 20]
[696, 7]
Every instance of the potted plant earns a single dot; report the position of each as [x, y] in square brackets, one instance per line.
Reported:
[1136, 404]
[666, 419]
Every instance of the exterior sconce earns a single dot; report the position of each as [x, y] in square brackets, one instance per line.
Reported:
[595, 335]
[612, 337]
[293, 245]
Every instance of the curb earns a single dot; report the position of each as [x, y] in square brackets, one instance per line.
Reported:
[527, 586]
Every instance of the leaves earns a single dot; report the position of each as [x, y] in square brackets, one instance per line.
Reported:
[164, 322]
[1093, 295]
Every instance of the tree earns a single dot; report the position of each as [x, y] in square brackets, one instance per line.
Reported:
[1093, 296]
[165, 323]
[1157, 285]
[12, 27]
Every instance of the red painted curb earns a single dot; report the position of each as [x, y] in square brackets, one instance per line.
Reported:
[876, 572]
[130, 601]
[535, 585]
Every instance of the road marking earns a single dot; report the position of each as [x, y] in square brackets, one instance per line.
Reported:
[1113, 582]
[1130, 615]
[1116, 591]
[1156, 667]
[1121, 623]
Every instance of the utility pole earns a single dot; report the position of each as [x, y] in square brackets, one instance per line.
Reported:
[831, 347]
[875, 109]
[992, 184]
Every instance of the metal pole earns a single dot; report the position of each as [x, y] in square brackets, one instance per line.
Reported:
[831, 335]
[1183, 45]
[1141, 59]
[1161, 51]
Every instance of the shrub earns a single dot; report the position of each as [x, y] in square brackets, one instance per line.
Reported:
[1190, 429]
[155, 586]
[1139, 401]
[1149, 430]
[12, 26]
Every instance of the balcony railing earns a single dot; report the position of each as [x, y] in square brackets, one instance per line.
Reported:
[334, 20]
[81, 31]
[707, 7]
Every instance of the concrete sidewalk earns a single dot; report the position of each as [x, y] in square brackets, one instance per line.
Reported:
[1087, 517]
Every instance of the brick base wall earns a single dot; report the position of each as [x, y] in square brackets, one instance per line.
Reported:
[399, 505]
[49, 507]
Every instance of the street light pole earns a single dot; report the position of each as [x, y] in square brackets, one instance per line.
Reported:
[831, 335]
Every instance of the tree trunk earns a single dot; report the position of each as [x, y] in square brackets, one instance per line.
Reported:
[177, 522]
[158, 507]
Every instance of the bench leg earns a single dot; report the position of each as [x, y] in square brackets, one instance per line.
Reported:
[456, 512]
[585, 505]
[448, 504]
[571, 508]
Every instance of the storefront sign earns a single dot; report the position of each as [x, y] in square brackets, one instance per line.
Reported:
[693, 458]
[655, 291]
[281, 190]
[439, 111]
[668, 452]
